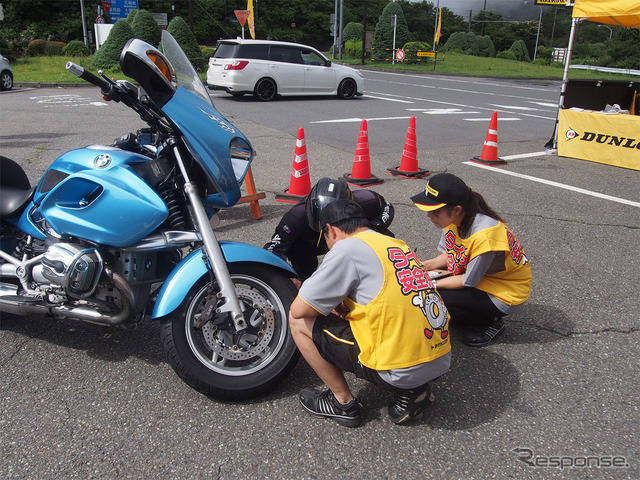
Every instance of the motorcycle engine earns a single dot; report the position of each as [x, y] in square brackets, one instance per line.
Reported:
[73, 267]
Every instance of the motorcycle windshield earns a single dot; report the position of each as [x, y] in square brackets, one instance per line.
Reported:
[210, 137]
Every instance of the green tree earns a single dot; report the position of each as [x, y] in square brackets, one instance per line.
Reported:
[353, 31]
[146, 28]
[180, 31]
[520, 50]
[108, 55]
[383, 35]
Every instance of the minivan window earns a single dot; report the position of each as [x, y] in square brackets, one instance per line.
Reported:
[226, 50]
[285, 54]
[257, 52]
[312, 58]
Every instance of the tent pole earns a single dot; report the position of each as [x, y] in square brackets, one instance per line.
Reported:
[553, 143]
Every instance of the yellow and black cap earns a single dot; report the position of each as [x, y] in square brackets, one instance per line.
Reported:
[442, 189]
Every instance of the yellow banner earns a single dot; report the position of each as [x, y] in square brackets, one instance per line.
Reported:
[438, 29]
[251, 19]
[422, 53]
[599, 137]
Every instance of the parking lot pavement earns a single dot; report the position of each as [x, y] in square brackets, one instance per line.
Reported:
[555, 397]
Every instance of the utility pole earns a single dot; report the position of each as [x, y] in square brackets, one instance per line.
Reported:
[484, 14]
[84, 24]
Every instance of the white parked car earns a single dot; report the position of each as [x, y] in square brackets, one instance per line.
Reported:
[268, 68]
[6, 74]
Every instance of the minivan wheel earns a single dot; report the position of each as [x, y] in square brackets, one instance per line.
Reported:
[347, 88]
[265, 89]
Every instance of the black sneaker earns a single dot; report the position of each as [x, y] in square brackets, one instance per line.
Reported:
[325, 404]
[409, 404]
[480, 337]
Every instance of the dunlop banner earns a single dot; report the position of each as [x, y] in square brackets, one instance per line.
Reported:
[602, 138]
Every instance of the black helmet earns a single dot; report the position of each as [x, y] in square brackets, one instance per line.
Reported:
[326, 191]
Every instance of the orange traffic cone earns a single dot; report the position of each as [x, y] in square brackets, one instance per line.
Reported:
[409, 162]
[300, 183]
[489, 154]
[361, 171]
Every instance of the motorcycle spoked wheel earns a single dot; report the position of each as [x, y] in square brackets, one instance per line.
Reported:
[216, 360]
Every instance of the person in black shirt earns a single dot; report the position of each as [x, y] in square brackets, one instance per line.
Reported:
[296, 241]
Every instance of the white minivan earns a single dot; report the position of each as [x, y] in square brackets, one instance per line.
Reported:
[268, 68]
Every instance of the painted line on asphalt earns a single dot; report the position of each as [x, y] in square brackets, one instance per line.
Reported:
[388, 99]
[353, 120]
[524, 155]
[489, 119]
[557, 184]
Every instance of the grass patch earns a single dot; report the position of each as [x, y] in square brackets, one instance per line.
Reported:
[460, 64]
[52, 69]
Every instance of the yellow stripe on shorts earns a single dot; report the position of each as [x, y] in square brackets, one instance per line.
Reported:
[341, 340]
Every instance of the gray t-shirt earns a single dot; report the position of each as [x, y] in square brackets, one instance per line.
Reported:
[352, 269]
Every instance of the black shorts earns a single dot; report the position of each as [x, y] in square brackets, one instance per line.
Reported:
[334, 340]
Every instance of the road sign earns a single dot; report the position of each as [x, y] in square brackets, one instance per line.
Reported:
[400, 55]
[100, 20]
[242, 16]
[420, 53]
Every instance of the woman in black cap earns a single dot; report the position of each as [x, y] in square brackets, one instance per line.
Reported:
[487, 272]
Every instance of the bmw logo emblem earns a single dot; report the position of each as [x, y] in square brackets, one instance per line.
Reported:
[102, 161]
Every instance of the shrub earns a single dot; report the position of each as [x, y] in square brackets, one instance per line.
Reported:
[36, 47]
[353, 31]
[76, 48]
[180, 31]
[108, 55]
[207, 52]
[545, 54]
[146, 28]
[411, 51]
[353, 49]
[52, 49]
[132, 15]
[520, 50]
[506, 55]
[486, 46]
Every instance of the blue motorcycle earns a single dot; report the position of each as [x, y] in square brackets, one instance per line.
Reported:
[114, 234]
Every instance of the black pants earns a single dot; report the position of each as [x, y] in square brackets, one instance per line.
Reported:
[469, 307]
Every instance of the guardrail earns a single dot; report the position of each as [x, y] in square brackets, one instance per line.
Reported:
[624, 71]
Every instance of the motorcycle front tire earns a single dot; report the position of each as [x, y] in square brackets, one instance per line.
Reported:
[212, 357]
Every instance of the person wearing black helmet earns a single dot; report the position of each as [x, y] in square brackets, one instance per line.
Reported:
[394, 332]
[295, 239]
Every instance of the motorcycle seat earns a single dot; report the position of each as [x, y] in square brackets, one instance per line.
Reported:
[13, 200]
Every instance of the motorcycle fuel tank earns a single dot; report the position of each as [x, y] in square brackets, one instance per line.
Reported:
[95, 194]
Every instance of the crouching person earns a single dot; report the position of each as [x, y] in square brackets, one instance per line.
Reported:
[393, 327]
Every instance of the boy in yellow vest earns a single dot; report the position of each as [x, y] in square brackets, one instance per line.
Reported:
[394, 332]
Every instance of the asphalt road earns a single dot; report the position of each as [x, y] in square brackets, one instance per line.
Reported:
[554, 397]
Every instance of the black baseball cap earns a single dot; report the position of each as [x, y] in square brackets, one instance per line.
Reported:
[442, 189]
[337, 211]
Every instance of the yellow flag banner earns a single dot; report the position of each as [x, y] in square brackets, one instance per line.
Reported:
[251, 19]
[613, 139]
[439, 28]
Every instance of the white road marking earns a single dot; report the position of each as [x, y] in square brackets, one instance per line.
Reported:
[449, 104]
[388, 99]
[543, 104]
[514, 107]
[71, 100]
[556, 184]
[503, 119]
[524, 155]
[353, 120]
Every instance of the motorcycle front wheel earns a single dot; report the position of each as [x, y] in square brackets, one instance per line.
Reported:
[207, 352]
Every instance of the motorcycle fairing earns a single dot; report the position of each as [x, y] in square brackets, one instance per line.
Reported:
[209, 135]
[182, 279]
[100, 198]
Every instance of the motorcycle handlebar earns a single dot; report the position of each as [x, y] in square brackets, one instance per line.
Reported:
[86, 75]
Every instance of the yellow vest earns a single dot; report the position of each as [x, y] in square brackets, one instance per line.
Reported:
[406, 324]
[512, 285]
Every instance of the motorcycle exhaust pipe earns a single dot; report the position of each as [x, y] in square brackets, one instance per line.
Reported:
[11, 303]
